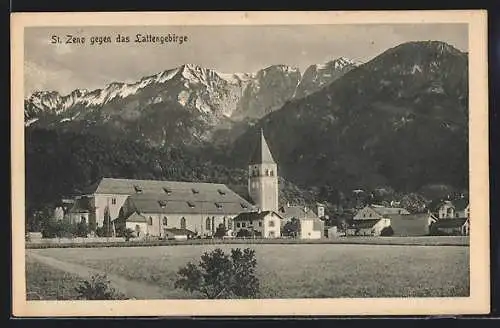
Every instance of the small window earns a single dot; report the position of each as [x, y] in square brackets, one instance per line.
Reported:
[218, 205]
[260, 223]
[150, 221]
[267, 172]
[167, 191]
[162, 203]
[195, 191]
[207, 224]
[238, 225]
[243, 205]
[138, 189]
[271, 173]
[165, 221]
[243, 224]
[113, 201]
[190, 204]
[222, 192]
[183, 223]
[271, 223]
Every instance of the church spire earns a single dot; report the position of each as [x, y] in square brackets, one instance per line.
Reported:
[262, 154]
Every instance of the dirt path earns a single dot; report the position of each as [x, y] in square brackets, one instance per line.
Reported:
[132, 289]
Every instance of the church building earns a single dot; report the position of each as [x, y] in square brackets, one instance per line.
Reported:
[153, 208]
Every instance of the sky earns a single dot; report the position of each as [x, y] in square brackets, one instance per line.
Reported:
[64, 67]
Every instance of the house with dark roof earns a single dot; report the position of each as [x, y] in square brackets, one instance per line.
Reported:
[264, 224]
[309, 223]
[451, 226]
[458, 208]
[371, 212]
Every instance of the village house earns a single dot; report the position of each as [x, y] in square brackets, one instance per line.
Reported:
[371, 212]
[368, 227]
[310, 226]
[451, 226]
[265, 224]
[458, 208]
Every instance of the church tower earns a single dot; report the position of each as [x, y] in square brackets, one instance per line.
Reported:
[263, 177]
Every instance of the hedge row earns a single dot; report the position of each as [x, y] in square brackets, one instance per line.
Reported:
[400, 241]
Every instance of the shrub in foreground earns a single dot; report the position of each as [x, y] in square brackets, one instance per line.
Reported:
[98, 287]
[220, 275]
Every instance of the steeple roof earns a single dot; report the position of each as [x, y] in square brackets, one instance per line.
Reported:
[262, 154]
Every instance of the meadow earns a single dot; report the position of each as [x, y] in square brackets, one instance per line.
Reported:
[295, 271]
[46, 283]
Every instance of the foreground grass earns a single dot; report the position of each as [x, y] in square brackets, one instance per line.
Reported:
[46, 283]
[301, 271]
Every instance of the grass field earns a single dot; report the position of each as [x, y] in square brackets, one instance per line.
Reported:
[298, 271]
[47, 283]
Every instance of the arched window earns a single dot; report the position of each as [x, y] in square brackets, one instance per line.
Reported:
[271, 173]
[83, 220]
[267, 172]
[207, 224]
[183, 223]
[165, 221]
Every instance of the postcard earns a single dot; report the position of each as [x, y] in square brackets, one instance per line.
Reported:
[250, 163]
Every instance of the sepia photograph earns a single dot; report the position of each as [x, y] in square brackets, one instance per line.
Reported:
[260, 163]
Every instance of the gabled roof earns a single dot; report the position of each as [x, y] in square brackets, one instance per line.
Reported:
[185, 202]
[252, 216]
[296, 211]
[261, 153]
[382, 210]
[450, 223]
[134, 186]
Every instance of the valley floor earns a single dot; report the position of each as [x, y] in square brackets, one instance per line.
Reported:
[285, 271]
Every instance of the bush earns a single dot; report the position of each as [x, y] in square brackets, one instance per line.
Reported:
[98, 288]
[219, 275]
[221, 231]
[387, 231]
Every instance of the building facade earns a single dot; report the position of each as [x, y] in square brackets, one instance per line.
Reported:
[263, 224]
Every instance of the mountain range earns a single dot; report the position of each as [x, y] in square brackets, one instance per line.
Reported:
[189, 100]
[398, 120]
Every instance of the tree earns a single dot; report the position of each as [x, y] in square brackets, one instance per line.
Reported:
[243, 233]
[98, 288]
[387, 231]
[107, 228]
[221, 231]
[291, 228]
[219, 275]
[82, 229]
